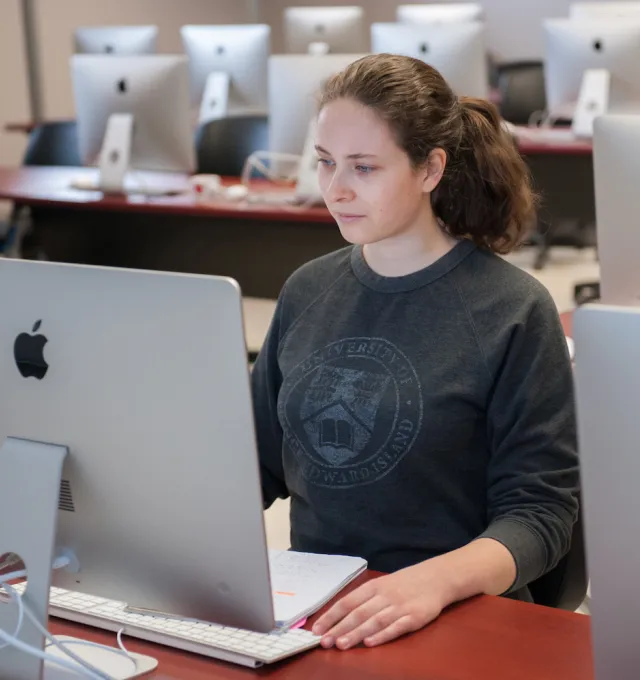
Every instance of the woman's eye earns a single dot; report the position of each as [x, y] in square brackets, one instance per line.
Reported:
[325, 161]
[365, 169]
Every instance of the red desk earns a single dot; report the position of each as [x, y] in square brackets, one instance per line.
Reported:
[536, 142]
[258, 245]
[567, 323]
[26, 127]
[487, 638]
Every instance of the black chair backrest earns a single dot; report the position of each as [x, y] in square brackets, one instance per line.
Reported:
[54, 143]
[521, 87]
[565, 587]
[223, 145]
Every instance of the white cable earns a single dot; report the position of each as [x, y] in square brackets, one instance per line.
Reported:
[123, 651]
[62, 646]
[13, 640]
[34, 651]
[18, 628]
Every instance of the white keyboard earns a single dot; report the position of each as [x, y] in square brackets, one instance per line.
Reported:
[220, 642]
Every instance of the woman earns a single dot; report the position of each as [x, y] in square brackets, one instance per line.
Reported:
[414, 395]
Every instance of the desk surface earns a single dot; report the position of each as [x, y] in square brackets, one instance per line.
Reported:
[567, 323]
[534, 141]
[487, 638]
[51, 186]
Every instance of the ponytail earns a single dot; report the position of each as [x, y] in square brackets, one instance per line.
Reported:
[485, 193]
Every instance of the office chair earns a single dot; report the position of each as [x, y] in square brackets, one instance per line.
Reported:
[53, 143]
[521, 87]
[223, 145]
[565, 586]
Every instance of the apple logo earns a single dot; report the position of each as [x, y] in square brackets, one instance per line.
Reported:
[122, 86]
[28, 351]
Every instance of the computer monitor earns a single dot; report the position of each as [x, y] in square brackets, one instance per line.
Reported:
[133, 112]
[604, 10]
[575, 47]
[439, 12]
[229, 64]
[295, 83]
[457, 50]
[143, 376]
[336, 30]
[607, 339]
[616, 164]
[123, 40]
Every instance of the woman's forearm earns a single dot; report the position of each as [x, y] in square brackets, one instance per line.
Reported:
[483, 566]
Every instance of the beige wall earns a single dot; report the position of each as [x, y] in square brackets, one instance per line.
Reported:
[56, 20]
[14, 99]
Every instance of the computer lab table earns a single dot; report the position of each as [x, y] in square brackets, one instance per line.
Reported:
[486, 638]
[259, 245]
[562, 171]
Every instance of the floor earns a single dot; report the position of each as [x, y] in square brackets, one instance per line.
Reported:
[566, 268]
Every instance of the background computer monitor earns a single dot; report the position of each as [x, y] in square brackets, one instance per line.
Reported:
[240, 51]
[607, 394]
[155, 89]
[439, 12]
[125, 40]
[604, 10]
[457, 50]
[148, 386]
[295, 83]
[572, 47]
[341, 29]
[616, 159]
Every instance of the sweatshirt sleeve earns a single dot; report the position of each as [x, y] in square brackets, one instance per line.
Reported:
[533, 474]
[266, 379]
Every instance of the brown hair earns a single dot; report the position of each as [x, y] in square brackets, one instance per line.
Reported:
[485, 193]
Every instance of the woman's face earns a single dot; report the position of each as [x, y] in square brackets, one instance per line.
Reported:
[366, 179]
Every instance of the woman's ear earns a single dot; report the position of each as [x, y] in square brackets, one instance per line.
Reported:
[434, 169]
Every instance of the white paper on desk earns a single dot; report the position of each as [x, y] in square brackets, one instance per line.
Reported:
[303, 582]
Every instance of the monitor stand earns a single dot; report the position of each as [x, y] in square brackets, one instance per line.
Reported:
[115, 156]
[115, 163]
[593, 101]
[32, 477]
[307, 186]
[215, 99]
[318, 49]
[32, 473]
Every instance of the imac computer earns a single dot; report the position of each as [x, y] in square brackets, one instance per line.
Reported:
[228, 68]
[457, 50]
[127, 441]
[439, 13]
[604, 10]
[616, 164]
[295, 84]
[322, 30]
[591, 68]
[133, 112]
[124, 40]
[607, 339]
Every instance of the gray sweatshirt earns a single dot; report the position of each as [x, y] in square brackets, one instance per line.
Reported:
[407, 416]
